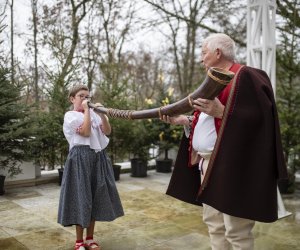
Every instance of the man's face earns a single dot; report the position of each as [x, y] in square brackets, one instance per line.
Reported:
[209, 58]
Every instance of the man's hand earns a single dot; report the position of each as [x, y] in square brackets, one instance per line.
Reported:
[211, 107]
[175, 120]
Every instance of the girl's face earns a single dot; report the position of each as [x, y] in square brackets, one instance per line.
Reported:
[79, 98]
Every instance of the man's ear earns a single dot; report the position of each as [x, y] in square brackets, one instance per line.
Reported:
[219, 53]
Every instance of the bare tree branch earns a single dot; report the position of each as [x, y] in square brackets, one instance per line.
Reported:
[193, 22]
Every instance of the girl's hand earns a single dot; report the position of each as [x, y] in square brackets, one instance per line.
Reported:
[98, 104]
[105, 127]
[85, 105]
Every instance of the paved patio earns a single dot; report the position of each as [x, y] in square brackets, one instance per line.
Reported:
[153, 220]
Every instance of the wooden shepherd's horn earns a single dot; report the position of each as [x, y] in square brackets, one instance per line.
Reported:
[215, 81]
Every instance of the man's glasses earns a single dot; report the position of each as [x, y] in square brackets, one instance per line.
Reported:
[85, 97]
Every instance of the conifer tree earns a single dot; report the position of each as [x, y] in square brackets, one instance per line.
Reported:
[14, 126]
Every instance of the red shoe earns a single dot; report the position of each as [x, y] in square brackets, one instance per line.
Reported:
[80, 246]
[92, 245]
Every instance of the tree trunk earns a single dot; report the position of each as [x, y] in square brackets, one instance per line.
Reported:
[35, 31]
[12, 42]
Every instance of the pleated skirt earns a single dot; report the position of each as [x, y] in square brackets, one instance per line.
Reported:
[88, 189]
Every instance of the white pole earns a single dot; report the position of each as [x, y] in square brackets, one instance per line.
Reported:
[261, 50]
[261, 42]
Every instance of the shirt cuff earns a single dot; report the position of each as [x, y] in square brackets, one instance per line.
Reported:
[187, 128]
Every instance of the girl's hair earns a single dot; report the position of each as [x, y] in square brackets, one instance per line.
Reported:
[222, 42]
[76, 88]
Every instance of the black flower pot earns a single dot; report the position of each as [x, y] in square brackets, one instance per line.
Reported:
[138, 167]
[286, 186]
[164, 166]
[117, 171]
[60, 175]
[2, 179]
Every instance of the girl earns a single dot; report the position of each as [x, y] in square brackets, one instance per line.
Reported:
[88, 190]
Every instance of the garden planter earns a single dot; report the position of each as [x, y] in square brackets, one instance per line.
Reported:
[60, 175]
[286, 186]
[138, 167]
[2, 179]
[164, 166]
[117, 171]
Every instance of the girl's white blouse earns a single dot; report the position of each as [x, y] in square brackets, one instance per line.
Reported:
[73, 120]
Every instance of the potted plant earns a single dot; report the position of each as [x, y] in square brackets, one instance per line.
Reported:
[166, 136]
[49, 146]
[287, 186]
[12, 167]
[127, 137]
[2, 179]
[139, 146]
[118, 144]
[15, 129]
[112, 93]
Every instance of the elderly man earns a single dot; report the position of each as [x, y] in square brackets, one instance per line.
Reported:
[236, 141]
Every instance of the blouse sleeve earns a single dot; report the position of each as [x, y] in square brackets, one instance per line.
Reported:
[72, 121]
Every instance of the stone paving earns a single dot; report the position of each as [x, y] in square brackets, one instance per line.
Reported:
[152, 220]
